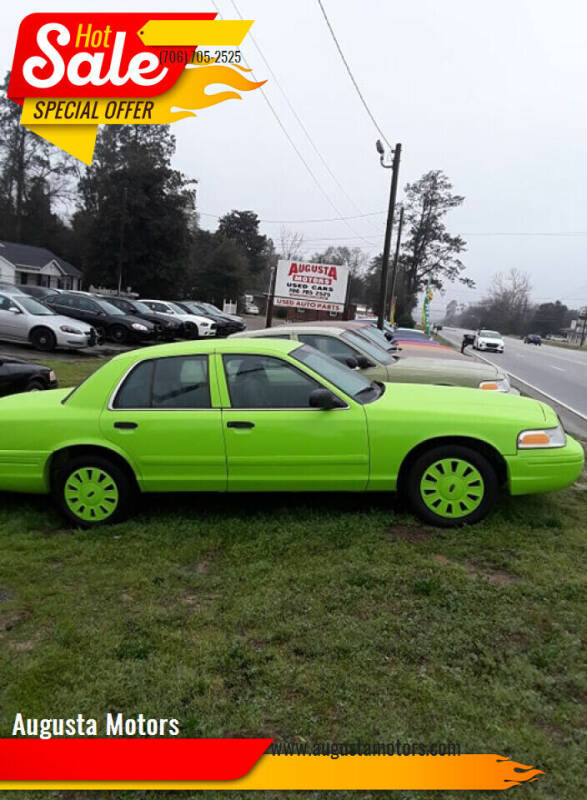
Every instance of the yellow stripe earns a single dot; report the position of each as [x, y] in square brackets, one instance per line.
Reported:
[194, 33]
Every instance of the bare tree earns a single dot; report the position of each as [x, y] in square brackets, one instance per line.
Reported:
[290, 244]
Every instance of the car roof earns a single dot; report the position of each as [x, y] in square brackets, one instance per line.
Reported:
[202, 346]
[300, 326]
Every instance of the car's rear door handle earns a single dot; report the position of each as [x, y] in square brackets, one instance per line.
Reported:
[126, 425]
[239, 424]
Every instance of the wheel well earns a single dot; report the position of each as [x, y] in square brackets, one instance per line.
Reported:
[60, 458]
[38, 328]
[491, 454]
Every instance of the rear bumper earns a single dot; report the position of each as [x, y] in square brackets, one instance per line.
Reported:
[532, 471]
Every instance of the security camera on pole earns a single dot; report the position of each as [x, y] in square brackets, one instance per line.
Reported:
[389, 227]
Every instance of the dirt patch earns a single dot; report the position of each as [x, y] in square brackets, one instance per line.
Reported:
[407, 533]
[497, 577]
[10, 620]
[23, 647]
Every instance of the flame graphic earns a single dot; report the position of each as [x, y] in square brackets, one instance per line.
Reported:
[189, 92]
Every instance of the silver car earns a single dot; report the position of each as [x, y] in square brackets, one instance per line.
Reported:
[24, 319]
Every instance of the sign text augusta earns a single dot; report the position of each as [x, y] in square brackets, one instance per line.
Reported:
[321, 287]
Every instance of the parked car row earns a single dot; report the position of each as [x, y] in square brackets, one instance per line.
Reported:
[361, 346]
[50, 318]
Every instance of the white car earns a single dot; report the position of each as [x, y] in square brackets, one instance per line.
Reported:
[24, 319]
[194, 326]
[251, 308]
[490, 341]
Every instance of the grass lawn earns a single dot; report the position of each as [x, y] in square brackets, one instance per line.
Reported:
[306, 618]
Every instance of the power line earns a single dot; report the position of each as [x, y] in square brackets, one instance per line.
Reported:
[352, 77]
[301, 124]
[294, 146]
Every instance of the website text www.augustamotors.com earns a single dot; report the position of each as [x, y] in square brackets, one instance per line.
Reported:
[358, 748]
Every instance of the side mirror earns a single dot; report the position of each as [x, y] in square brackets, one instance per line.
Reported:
[388, 336]
[15, 310]
[364, 362]
[325, 399]
[351, 362]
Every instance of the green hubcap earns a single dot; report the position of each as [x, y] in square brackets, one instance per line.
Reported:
[91, 494]
[452, 488]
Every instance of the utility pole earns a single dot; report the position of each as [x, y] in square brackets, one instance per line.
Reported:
[121, 238]
[271, 297]
[394, 166]
[396, 260]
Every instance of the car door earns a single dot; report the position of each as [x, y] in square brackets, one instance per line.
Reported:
[14, 323]
[275, 441]
[165, 415]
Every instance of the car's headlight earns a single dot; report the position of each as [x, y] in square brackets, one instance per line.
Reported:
[69, 329]
[544, 437]
[52, 376]
[138, 327]
[204, 324]
[502, 385]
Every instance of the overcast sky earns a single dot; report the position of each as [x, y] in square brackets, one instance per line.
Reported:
[490, 91]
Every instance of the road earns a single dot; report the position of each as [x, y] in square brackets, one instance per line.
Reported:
[560, 374]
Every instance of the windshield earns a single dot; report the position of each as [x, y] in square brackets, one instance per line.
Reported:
[212, 307]
[490, 334]
[174, 307]
[377, 336]
[347, 380]
[34, 307]
[109, 308]
[377, 353]
[196, 308]
[141, 307]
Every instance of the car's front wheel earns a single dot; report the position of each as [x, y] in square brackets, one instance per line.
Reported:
[92, 490]
[35, 385]
[118, 334]
[43, 339]
[452, 485]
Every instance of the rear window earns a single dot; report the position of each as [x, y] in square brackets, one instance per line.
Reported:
[180, 382]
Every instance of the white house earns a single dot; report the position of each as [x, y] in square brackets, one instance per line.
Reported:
[25, 265]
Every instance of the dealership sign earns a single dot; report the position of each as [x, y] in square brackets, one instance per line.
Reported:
[320, 287]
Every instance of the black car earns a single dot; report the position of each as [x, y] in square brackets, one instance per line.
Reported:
[167, 327]
[109, 321]
[22, 376]
[225, 325]
[533, 338]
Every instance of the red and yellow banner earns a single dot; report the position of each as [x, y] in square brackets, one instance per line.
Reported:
[238, 764]
[74, 71]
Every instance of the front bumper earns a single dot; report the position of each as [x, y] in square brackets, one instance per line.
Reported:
[75, 340]
[533, 471]
[205, 333]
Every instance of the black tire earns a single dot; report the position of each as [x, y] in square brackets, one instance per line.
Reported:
[35, 385]
[118, 334]
[125, 491]
[100, 334]
[43, 339]
[191, 330]
[454, 490]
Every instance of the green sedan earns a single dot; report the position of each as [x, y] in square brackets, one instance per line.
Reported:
[257, 415]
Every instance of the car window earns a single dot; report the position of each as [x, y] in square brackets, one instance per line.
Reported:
[490, 334]
[5, 303]
[266, 382]
[329, 345]
[60, 300]
[159, 307]
[378, 354]
[348, 380]
[180, 382]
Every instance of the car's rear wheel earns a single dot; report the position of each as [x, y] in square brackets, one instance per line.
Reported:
[35, 385]
[91, 490]
[118, 334]
[43, 339]
[452, 485]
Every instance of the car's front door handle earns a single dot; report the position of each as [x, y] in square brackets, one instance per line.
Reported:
[239, 424]
[126, 425]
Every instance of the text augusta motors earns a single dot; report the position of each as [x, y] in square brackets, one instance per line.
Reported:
[112, 725]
